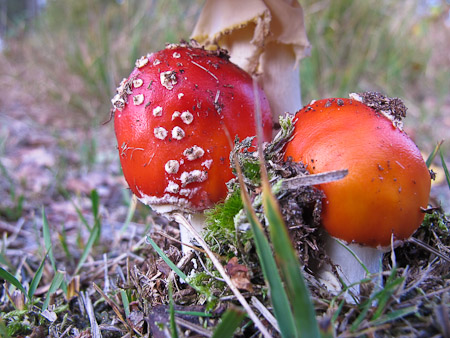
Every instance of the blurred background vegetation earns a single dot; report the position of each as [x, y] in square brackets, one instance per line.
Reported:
[77, 51]
[60, 61]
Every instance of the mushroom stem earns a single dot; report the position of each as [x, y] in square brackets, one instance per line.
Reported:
[197, 220]
[351, 269]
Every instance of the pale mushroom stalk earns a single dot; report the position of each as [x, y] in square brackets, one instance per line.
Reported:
[265, 38]
[351, 269]
[196, 219]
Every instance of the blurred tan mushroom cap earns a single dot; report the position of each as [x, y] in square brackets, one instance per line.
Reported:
[266, 38]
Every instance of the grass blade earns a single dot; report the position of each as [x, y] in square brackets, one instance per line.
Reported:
[279, 299]
[395, 315]
[87, 249]
[11, 184]
[386, 293]
[173, 325]
[56, 282]
[125, 303]
[433, 154]
[95, 200]
[166, 259]
[12, 280]
[298, 293]
[285, 255]
[194, 313]
[381, 298]
[63, 241]
[47, 239]
[229, 323]
[444, 166]
[36, 279]
[4, 330]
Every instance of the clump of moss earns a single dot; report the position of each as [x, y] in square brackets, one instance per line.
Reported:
[221, 233]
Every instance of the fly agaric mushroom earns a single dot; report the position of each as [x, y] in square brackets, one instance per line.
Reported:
[387, 183]
[172, 117]
[266, 38]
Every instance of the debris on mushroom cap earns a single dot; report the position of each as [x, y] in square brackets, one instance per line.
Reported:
[193, 153]
[168, 79]
[266, 38]
[157, 111]
[119, 100]
[393, 108]
[176, 108]
[173, 187]
[141, 62]
[175, 115]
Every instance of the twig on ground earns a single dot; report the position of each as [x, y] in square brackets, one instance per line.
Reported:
[209, 273]
[265, 313]
[193, 327]
[95, 329]
[181, 264]
[429, 248]
[178, 241]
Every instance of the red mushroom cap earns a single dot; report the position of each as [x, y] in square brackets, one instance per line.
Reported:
[387, 183]
[171, 118]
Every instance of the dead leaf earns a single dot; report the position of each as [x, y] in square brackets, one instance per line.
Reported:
[239, 275]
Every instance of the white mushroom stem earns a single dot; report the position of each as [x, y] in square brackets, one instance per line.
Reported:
[351, 269]
[197, 220]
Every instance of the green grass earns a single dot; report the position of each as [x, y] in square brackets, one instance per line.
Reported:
[105, 40]
[357, 47]
[12, 209]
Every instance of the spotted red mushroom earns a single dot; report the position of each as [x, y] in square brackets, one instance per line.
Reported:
[172, 116]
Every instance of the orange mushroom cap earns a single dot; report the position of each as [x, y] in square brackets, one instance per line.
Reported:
[171, 118]
[387, 183]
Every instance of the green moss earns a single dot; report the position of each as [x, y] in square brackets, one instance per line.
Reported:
[221, 233]
[17, 328]
[223, 214]
[207, 284]
[436, 220]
